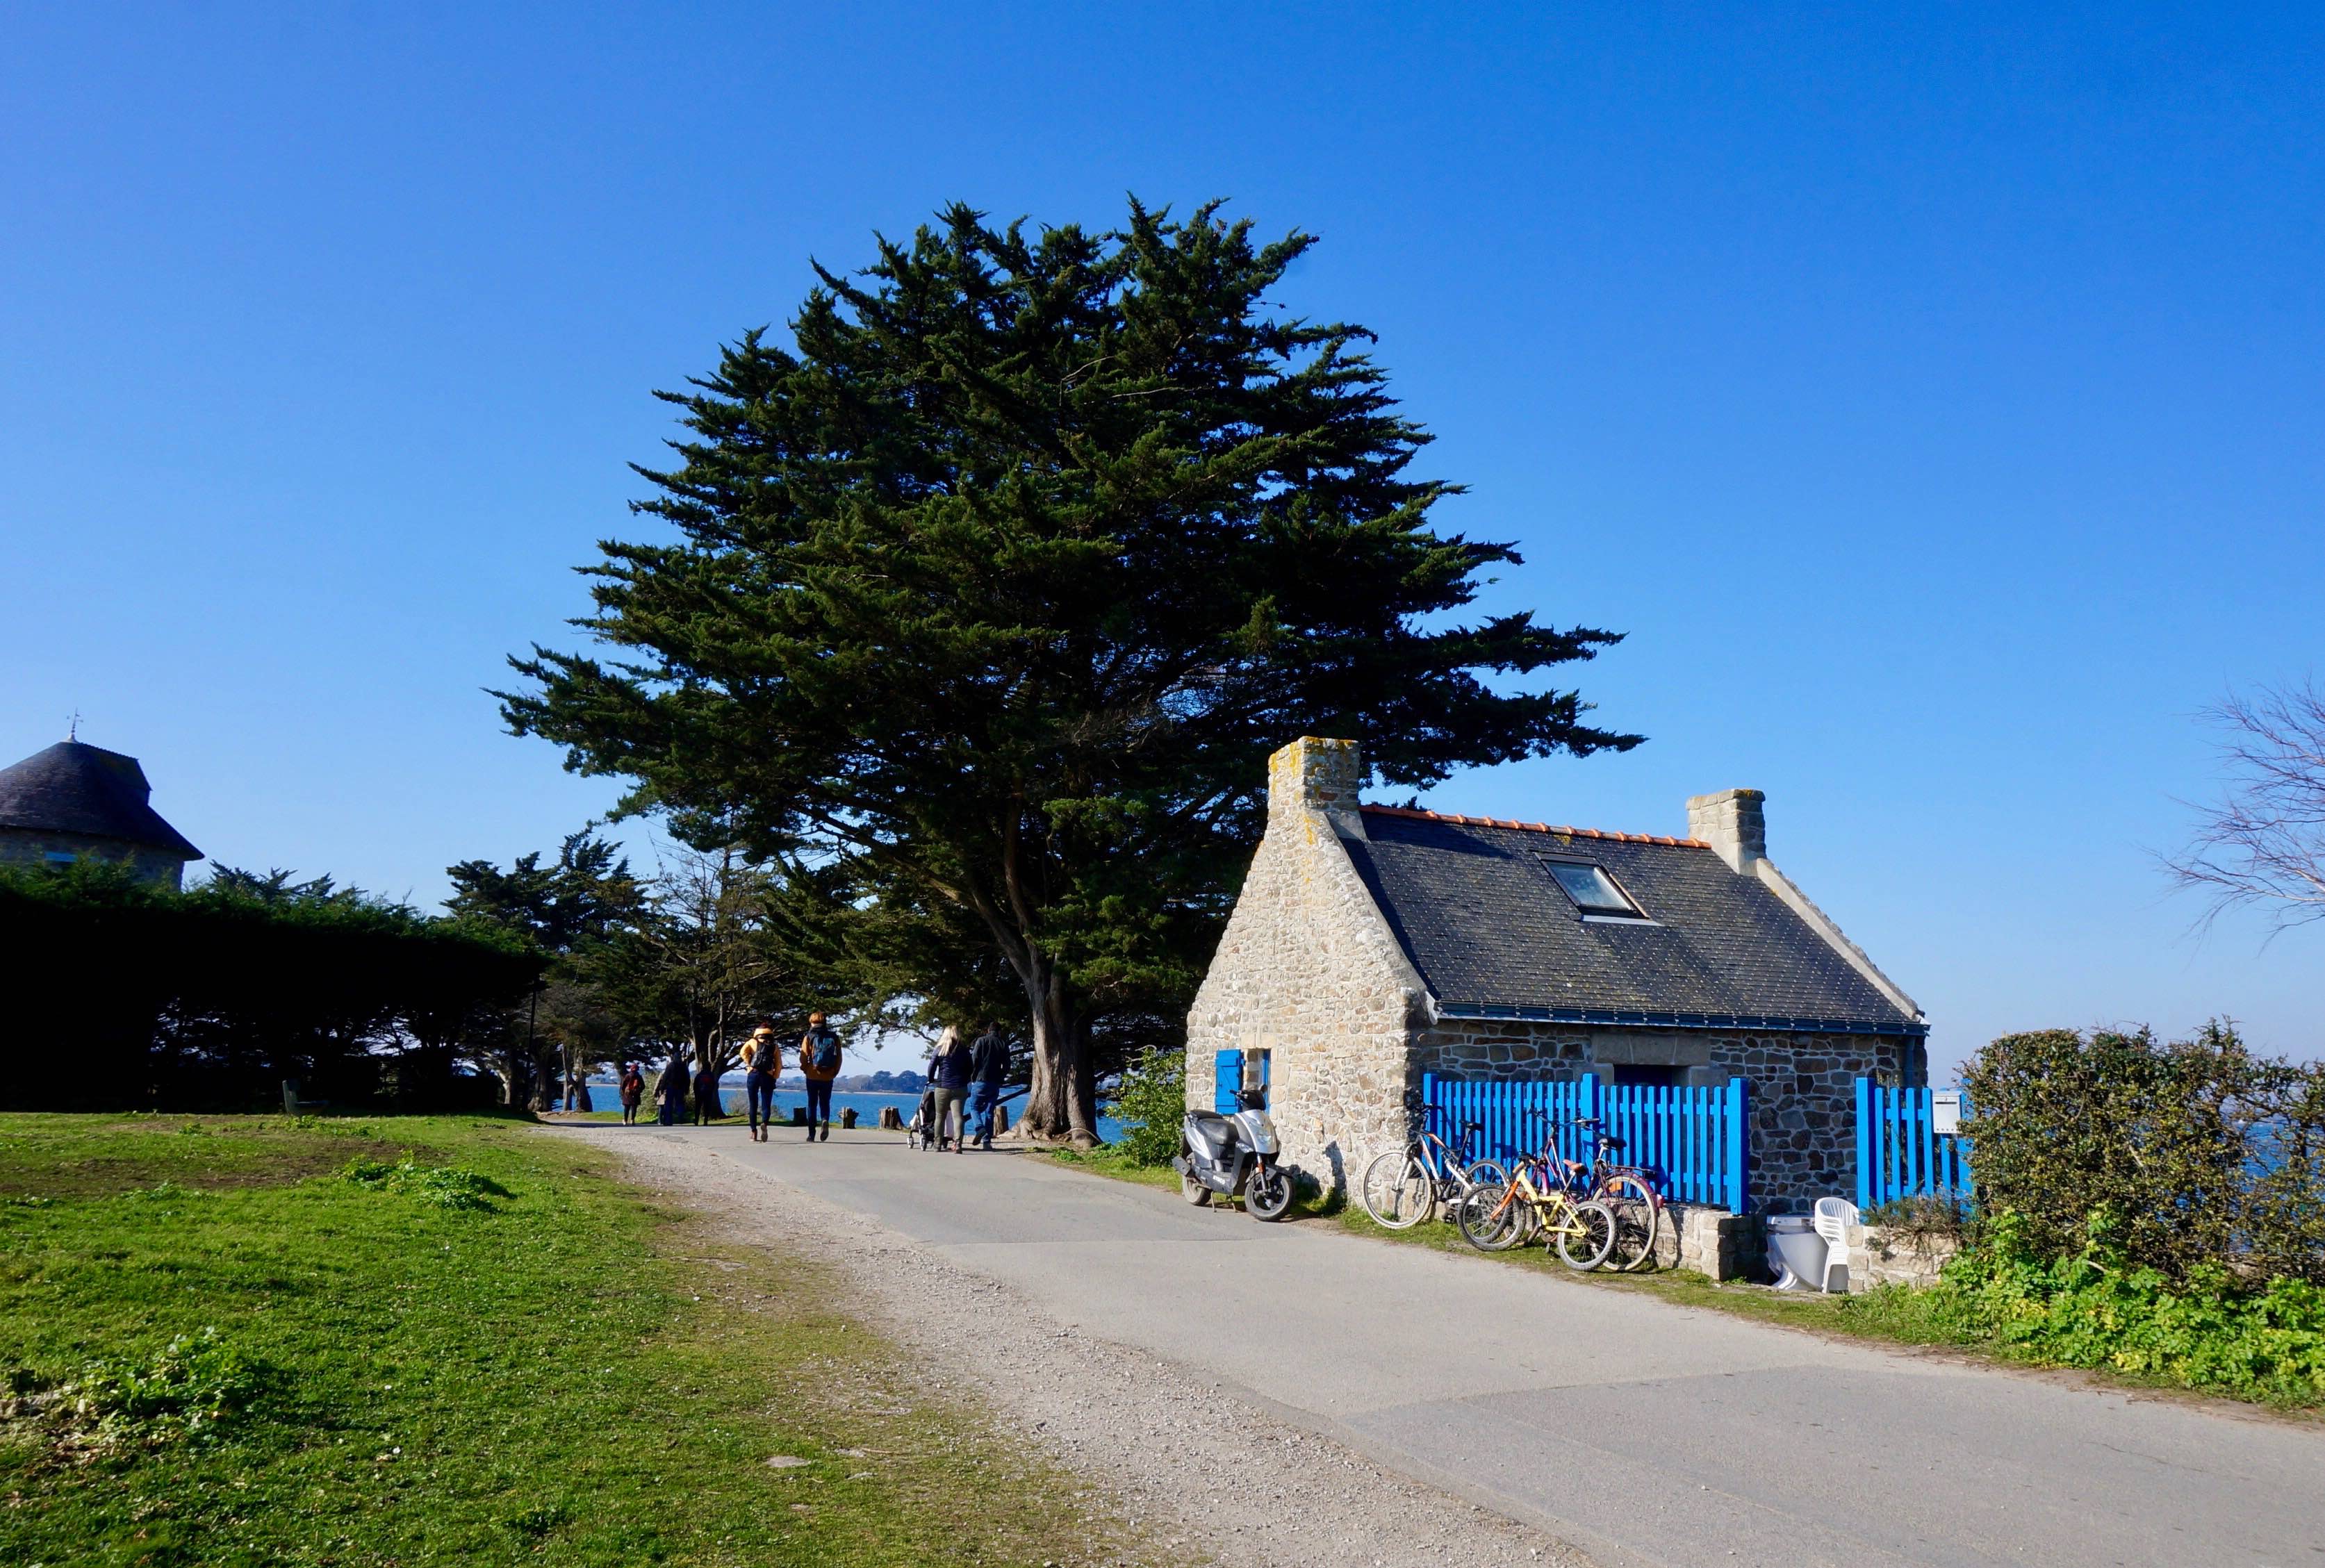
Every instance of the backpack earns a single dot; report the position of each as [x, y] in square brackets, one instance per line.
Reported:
[827, 1050]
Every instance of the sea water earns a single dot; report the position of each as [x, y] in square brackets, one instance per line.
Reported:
[605, 1095]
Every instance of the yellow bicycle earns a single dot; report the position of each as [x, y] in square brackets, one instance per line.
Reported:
[1543, 1198]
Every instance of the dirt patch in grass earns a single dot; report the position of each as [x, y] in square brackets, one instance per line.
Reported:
[54, 1158]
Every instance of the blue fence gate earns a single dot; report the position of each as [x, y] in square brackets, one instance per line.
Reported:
[1695, 1137]
[1900, 1152]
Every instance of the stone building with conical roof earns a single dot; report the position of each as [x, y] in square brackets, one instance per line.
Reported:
[74, 800]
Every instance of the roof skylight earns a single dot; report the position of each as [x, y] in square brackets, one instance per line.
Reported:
[1594, 892]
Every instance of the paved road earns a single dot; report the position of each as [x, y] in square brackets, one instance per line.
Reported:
[1642, 1432]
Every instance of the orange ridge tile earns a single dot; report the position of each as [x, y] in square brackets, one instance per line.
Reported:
[1461, 821]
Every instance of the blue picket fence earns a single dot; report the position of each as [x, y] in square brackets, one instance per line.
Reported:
[1900, 1152]
[1694, 1137]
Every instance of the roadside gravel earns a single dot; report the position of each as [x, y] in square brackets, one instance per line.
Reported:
[1207, 1472]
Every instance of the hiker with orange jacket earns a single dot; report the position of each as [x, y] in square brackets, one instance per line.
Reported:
[818, 1065]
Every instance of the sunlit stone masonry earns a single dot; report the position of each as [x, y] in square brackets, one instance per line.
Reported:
[1371, 945]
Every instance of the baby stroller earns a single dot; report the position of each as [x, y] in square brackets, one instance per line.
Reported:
[922, 1132]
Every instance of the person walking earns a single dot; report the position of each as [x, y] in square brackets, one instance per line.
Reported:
[670, 1092]
[818, 1065]
[950, 1070]
[763, 1064]
[706, 1096]
[633, 1089]
[988, 1066]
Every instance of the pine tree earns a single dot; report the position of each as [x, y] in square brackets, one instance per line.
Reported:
[998, 586]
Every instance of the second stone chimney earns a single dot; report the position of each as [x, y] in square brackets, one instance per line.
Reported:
[1732, 822]
[1317, 775]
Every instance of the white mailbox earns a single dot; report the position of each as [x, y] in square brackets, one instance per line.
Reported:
[1945, 1110]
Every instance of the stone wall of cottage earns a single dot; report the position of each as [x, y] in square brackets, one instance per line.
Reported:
[1802, 1098]
[34, 846]
[1308, 972]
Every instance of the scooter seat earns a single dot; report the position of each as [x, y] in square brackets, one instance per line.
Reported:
[1216, 1133]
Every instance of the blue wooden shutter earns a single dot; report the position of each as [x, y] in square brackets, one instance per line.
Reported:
[1226, 1077]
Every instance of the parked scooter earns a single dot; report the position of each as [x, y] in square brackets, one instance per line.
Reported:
[1232, 1154]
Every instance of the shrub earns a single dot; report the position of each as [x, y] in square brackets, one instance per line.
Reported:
[1149, 1101]
[2201, 1152]
[2099, 1309]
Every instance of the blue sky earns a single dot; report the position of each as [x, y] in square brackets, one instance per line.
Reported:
[1933, 399]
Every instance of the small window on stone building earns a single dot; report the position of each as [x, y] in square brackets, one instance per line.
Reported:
[1594, 892]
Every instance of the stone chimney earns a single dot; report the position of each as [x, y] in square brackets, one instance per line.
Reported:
[1732, 822]
[1317, 775]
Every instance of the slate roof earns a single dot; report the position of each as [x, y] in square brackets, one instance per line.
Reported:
[1494, 936]
[75, 787]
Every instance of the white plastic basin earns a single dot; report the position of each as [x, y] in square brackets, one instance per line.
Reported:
[1794, 1249]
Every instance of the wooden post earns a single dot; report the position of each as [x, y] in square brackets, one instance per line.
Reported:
[1739, 1191]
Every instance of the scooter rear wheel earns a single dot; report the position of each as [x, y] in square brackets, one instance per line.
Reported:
[1193, 1191]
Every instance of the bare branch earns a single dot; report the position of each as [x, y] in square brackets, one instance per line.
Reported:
[2263, 844]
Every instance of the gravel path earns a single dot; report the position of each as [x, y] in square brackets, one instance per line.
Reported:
[1212, 1474]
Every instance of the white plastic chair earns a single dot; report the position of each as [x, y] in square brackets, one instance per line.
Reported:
[1834, 1216]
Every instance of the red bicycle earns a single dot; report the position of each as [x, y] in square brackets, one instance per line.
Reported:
[1634, 1192]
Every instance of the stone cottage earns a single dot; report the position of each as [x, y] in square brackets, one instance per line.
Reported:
[76, 799]
[1371, 945]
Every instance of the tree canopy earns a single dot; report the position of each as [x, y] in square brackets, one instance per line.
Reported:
[996, 587]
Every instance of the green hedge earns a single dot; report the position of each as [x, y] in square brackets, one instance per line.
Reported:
[2098, 1309]
[126, 995]
[2202, 1153]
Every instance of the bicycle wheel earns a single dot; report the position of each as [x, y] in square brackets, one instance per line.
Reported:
[1485, 1173]
[1491, 1219]
[1396, 1192]
[1587, 1235]
[1638, 1220]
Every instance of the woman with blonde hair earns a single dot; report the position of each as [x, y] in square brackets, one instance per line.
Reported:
[949, 1072]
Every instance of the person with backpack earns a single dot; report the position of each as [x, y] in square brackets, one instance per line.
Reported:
[633, 1089]
[818, 1065]
[988, 1066]
[950, 1070]
[763, 1064]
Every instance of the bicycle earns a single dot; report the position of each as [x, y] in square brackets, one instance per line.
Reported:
[1401, 1188]
[1633, 1194]
[1496, 1219]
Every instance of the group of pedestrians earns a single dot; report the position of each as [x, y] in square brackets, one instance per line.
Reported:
[963, 1077]
[958, 1068]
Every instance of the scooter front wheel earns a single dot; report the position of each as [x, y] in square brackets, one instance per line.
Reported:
[1267, 1192]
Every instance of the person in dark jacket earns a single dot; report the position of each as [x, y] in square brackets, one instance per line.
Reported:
[706, 1096]
[633, 1089]
[670, 1092]
[988, 1067]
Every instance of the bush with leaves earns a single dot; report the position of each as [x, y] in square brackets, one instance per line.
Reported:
[1148, 1102]
[2098, 1308]
[2204, 1153]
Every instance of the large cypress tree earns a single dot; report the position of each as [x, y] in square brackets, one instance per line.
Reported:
[1000, 584]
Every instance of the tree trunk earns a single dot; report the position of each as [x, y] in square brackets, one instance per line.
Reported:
[1061, 1105]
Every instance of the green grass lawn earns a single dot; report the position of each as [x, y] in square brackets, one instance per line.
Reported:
[533, 1365]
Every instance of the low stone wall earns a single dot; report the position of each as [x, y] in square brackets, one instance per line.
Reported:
[1715, 1243]
[1883, 1255]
